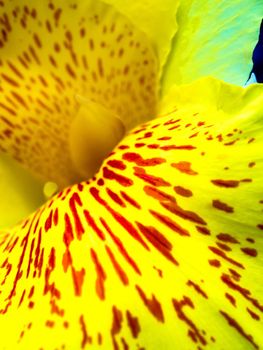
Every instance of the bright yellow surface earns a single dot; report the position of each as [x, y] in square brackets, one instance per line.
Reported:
[156, 18]
[161, 250]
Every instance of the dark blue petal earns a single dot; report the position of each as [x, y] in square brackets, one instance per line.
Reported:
[257, 57]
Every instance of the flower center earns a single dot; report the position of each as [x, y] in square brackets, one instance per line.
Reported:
[94, 132]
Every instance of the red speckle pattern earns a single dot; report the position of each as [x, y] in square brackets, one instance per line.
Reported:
[49, 54]
[147, 252]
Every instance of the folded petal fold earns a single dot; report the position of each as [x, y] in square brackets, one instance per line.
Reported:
[156, 18]
[215, 38]
[21, 193]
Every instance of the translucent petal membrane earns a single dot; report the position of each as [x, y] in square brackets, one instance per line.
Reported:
[21, 193]
[216, 38]
[156, 18]
[162, 250]
[51, 51]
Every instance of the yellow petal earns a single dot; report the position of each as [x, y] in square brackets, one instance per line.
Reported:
[54, 50]
[21, 193]
[215, 38]
[162, 248]
[156, 18]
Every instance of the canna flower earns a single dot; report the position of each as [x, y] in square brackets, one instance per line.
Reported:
[157, 245]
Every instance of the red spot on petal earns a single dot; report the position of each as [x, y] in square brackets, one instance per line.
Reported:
[170, 223]
[226, 183]
[152, 304]
[231, 299]
[68, 233]
[197, 288]
[73, 202]
[233, 323]
[223, 255]
[203, 230]
[183, 191]
[194, 333]
[111, 175]
[78, 280]
[116, 321]
[133, 324]
[66, 260]
[130, 200]
[158, 240]
[253, 314]
[86, 339]
[222, 206]
[138, 160]
[182, 147]
[48, 222]
[120, 272]
[101, 275]
[151, 179]
[214, 262]
[118, 164]
[184, 167]
[250, 251]
[243, 291]
[115, 197]
[225, 237]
